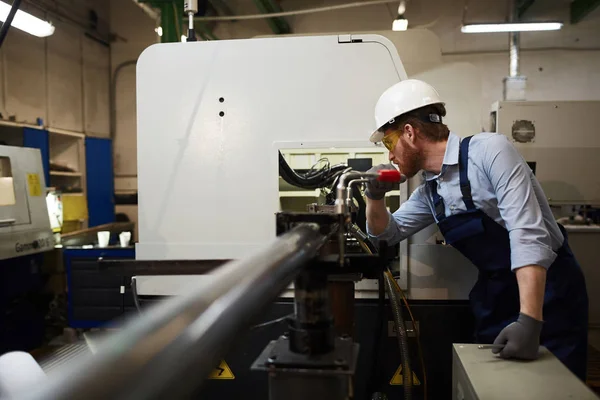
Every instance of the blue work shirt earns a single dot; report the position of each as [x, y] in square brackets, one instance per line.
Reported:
[503, 186]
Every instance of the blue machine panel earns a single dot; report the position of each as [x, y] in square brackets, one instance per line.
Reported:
[100, 181]
[38, 139]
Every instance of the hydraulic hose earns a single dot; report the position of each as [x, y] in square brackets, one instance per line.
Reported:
[314, 181]
[402, 337]
[374, 383]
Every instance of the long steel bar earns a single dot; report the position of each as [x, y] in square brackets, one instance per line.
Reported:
[167, 351]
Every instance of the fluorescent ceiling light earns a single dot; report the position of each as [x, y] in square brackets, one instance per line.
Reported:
[400, 24]
[27, 22]
[516, 27]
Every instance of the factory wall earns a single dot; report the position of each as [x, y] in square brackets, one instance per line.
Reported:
[559, 65]
[63, 79]
[134, 31]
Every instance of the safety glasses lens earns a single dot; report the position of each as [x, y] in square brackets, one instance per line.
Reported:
[389, 141]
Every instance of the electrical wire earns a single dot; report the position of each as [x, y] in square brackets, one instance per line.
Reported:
[134, 294]
[296, 12]
[274, 321]
[314, 178]
[8, 22]
[412, 318]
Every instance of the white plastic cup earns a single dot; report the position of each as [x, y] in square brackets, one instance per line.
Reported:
[103, 238]
[124, 238]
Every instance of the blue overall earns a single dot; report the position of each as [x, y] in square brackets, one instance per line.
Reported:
[495, 296]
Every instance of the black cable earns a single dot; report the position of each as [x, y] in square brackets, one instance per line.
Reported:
[374, 384]
[6, 25]
[361, 214]
[274, 321]
[134, 294]
[313, 179]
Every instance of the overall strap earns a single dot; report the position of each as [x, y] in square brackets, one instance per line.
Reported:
[463, 165]
[438, 202]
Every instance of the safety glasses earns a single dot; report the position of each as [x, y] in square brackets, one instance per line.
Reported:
[391, 139]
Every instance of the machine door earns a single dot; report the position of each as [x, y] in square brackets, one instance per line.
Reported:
[14, 204]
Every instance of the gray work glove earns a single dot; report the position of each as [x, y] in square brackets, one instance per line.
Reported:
[521, 339]
[376, 190]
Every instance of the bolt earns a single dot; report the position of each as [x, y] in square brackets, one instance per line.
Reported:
[345, 336]
[340, 361]
[271, 359]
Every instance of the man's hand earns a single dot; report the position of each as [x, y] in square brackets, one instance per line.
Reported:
[376, 190]
[521, 339]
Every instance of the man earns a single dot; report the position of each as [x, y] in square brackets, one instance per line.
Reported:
[488, 205]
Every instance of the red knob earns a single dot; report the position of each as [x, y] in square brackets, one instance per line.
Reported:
[390, 175]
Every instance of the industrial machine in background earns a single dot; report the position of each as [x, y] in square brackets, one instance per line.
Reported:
[24, 223]
[25, 234]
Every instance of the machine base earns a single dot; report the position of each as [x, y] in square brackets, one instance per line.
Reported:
[293, 376]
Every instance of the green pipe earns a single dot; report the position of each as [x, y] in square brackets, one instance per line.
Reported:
[581, 8]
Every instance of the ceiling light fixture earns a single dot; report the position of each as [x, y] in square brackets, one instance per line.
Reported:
[400, 23]
[27, 22]
[512, 27]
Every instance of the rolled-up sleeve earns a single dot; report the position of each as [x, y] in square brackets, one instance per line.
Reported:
[511, 178]
[412, 216]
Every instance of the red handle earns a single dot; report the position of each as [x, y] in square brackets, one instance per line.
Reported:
[389, 175]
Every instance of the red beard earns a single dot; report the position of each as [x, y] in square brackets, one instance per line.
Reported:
[411, 161]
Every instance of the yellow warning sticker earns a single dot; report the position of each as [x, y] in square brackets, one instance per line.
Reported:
[35, 187]
[221, 372]
[397, 379]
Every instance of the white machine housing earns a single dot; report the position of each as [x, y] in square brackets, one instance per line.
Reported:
[207, 147]
[207, 150]
[24, 222]
[561, 138]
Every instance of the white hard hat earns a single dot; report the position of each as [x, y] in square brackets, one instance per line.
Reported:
[403, 97]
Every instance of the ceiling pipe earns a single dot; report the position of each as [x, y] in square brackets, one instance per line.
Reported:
[148, 10]
[515, 83]
[514, 41]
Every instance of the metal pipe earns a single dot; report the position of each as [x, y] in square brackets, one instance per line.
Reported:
[295, 12]
[148, 10]
[112, 115]
[514, 42]
[168, 350]
[349, 191]
[342, 187]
